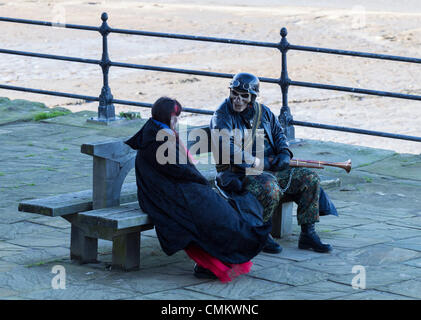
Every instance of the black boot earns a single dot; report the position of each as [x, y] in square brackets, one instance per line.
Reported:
[202, 273]
[310, 240]
[271, 246]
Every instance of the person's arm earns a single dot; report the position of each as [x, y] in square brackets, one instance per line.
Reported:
[223, 132]
[283, 154]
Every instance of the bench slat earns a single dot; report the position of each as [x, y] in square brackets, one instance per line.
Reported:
[59, 205]
[116, 218]
[70, 203]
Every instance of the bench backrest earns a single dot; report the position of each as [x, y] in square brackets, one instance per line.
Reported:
[112, 162]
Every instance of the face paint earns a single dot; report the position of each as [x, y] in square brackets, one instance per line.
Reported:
[240, 100]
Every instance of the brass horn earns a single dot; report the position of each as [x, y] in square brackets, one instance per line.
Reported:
[347, 165]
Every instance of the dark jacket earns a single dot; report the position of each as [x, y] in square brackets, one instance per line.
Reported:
[185, 209]
[226, 118]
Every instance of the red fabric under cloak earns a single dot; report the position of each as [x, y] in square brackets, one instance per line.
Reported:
[225, 272]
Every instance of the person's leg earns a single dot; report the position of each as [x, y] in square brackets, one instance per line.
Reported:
[266, 190]
[304, 189]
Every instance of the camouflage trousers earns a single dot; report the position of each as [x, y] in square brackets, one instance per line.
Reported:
[304, 190]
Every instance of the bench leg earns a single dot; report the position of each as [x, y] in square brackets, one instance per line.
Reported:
[83, 248]
[126, 251]
[282, 221]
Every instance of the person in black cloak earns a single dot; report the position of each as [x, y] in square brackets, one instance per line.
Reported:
[187, 213]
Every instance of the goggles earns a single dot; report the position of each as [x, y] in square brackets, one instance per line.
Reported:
[242, 95]
[236, 84]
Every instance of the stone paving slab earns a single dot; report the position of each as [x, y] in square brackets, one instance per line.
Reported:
[85, 291]
[20, 229]
[409, 288]
[379, 254]
[43, 240]
[374, 295]
[34, 177]
[55, 222]
[244, 287]
[7, 266]
[7, 249]
[9, 215]
[413, 222]
[413, 243]
[152, 280]
[177, 294]
[290, 274]
[381, 216]
[7, 292]
[332, 264]
[23, 279]
[403, 166]
[314, 291]
[379, 276]
[344, 221]
[415, 263]
[378, 230]
[29, 257]
[263, 261]
[368, 194]
[347, 242]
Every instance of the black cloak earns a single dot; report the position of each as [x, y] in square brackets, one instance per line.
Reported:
[186, 210]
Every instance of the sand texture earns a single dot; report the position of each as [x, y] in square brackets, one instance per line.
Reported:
[378, 26]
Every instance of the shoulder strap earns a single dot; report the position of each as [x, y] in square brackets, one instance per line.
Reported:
[256, 124]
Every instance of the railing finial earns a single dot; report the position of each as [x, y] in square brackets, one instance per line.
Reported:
[284, 32]
[104, 16]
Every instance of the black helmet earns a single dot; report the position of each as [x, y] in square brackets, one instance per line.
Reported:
[245, 82]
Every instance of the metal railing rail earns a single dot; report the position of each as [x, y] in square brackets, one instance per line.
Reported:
[106, 111]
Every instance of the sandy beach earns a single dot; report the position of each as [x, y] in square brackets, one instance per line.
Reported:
[384, 27]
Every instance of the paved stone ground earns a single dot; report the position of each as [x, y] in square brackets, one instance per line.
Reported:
[378, 228]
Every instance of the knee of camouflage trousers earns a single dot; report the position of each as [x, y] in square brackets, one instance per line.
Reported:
[305, 188]
[266, 189]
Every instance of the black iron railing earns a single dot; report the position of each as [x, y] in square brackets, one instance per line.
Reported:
[106, 111]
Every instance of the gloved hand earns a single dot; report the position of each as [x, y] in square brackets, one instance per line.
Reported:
[281, 161]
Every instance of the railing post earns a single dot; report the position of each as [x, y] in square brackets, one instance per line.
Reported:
[106, 111]
[285, 117]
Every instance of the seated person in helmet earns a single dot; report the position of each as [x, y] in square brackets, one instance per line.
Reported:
[276, 182]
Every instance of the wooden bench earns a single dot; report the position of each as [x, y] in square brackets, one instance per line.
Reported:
[110, 210]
